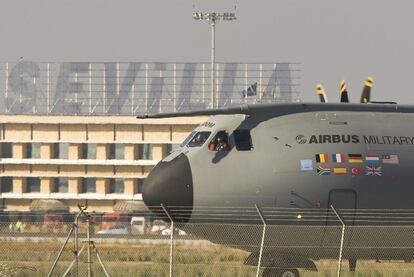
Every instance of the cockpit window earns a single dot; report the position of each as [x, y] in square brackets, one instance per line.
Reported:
[187, 140]
[220, 142]
[199, 139]
[196, 139]
[243, 140]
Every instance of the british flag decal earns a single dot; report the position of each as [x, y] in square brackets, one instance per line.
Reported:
[373, 171]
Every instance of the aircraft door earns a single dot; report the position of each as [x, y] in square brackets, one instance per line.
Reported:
[342, 198]
[345, 203]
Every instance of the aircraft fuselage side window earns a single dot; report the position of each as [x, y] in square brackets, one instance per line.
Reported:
[220, 142]
[243, 140]
[199, 139]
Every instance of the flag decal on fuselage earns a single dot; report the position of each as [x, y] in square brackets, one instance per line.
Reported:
[355, 158]
[344, 164]
[306, 165]
[373, 171]
[322, 158]
[323, 170]
[390, 159]
[338, 158]
[339, 170]
[372, 159]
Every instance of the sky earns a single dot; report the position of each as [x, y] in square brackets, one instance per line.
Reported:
[331, 39]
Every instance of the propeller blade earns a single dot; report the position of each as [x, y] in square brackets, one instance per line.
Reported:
[344, 93]
[366, 92]
[321, 93]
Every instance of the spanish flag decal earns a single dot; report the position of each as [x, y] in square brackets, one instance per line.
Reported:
[339, 170]
[322, 158]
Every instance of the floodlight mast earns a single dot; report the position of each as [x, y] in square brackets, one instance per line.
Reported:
[212, 18]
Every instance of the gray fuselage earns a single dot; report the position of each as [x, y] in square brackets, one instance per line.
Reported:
[269, 173]
[366, 163]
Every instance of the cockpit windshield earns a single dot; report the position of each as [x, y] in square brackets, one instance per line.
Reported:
[199, 139]
[196, 139]
[187, 140]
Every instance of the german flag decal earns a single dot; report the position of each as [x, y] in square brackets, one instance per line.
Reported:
[355, 158]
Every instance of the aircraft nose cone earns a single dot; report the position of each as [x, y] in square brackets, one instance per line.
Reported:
[170, 183]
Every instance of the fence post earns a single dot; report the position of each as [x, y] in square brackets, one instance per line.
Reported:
[259, 263]
[61, 251]
[76, 245]
[171, 238]
[89, 245]
[342, 241]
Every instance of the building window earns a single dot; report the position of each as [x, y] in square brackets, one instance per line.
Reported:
[33, 184]
[89, 151]
[61, 184]
[140, 184]
[144, 151]
[6, 184]
[33, 150]
[116, 151]
[6, 150]
[88, 185]
[116, 185]
[60, 150]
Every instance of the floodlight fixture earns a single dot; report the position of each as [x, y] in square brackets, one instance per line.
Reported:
[212, 18]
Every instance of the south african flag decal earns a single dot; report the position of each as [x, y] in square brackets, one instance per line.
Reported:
[323, 170]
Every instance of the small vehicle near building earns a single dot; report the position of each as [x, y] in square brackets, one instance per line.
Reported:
[115, 230]
[138, 225]
[158, 226]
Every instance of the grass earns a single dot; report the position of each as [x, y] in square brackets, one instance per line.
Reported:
[152, 260]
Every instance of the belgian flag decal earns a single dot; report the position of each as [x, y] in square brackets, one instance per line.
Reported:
[322, 158]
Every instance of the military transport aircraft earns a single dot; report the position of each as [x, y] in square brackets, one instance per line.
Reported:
[303, 155]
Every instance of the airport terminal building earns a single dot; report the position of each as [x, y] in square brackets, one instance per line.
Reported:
[69, 132]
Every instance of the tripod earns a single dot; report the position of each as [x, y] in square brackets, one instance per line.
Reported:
[88, 244]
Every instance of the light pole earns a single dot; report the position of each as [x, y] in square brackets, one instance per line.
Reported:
[212, 18]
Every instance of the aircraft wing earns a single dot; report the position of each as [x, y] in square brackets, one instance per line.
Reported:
[244, 109]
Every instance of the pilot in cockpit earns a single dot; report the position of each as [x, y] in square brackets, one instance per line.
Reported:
[219, 143]
[198, 140]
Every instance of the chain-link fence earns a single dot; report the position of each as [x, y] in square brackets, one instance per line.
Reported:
[214, 242]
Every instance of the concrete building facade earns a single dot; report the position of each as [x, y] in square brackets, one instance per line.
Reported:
[100, 160]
